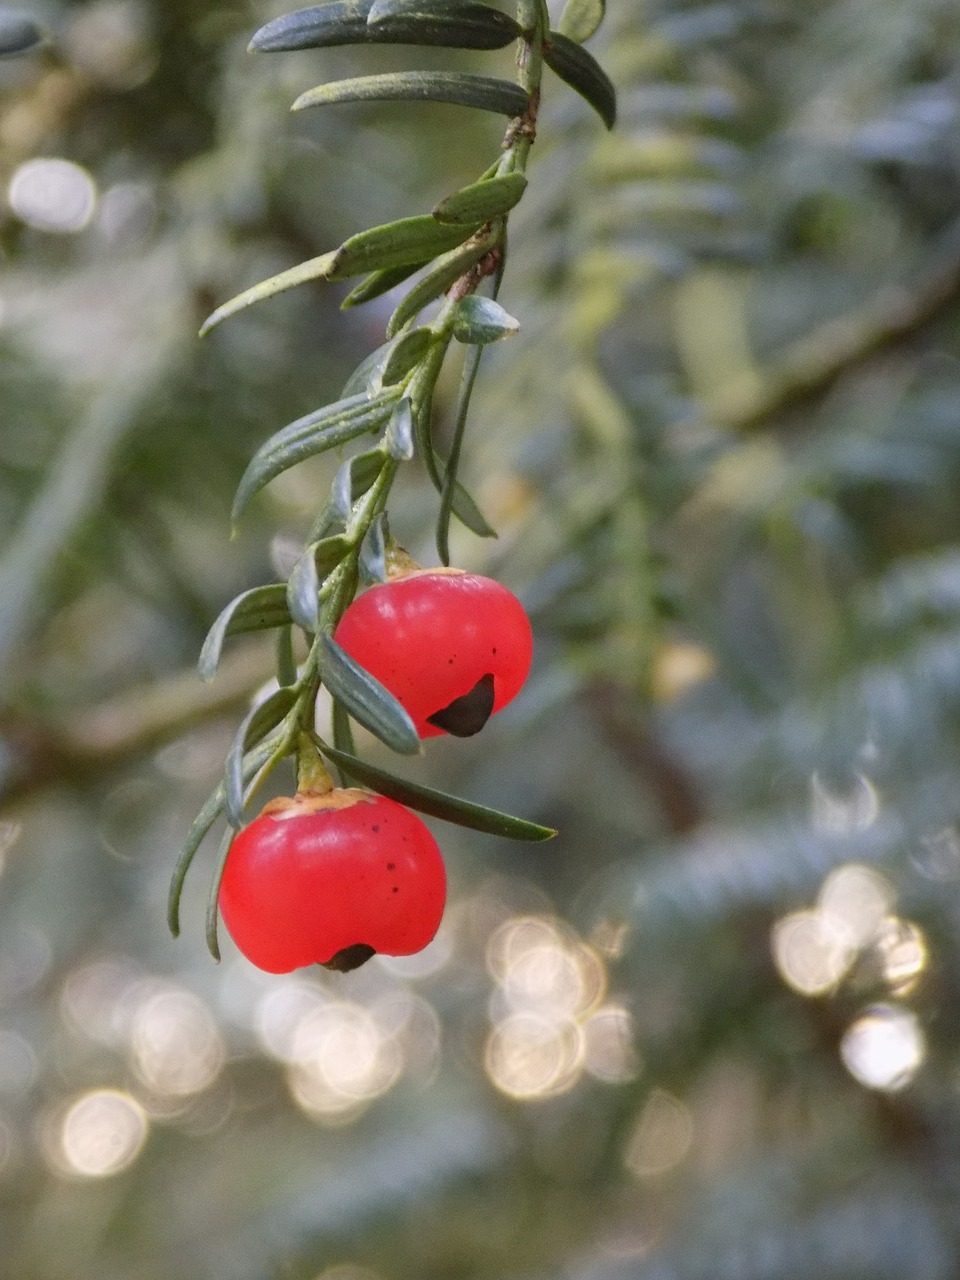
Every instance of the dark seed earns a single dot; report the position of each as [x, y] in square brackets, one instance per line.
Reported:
[467, 715]
[348, 958]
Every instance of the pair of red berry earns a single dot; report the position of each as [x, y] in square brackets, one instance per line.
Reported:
[333, 878]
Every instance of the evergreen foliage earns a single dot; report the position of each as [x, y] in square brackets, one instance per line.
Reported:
[708, 1030]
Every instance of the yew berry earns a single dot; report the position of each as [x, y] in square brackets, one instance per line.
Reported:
[451, 647]
[331, 879]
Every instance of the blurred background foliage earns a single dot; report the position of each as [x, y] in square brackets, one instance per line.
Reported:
[712, 1029]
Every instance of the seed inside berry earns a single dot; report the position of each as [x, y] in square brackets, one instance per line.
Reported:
[350, 958]
[467, 715]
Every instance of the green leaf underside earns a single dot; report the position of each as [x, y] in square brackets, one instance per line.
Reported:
[423, 418]
[195, 836]
[316, 433]
[253, 729]
[463, 505]
[388, 364]
[313, 269]
[406, 242]
[380, 282]
[482, 201]
[367, 701]
[437, 804]
[364, 469]
[199, 830]
[286, 659]
[20, 34]
[470, 368]
[581, 71]
[359, 383]
[373, 553]
[406, 352]
[481, 320]
[347, 409]
[320, 26]
[328, 552]
[482, 92]
[457, 24]
[256, 610]
[581, 19]
[353, 480]
[445, 272]
[303, 591]
[398, 440]
[213, 899]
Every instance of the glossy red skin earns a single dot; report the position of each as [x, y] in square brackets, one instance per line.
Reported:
[430, 636]
[299, 888]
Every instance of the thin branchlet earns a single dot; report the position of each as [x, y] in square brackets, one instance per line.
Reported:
[385, 256]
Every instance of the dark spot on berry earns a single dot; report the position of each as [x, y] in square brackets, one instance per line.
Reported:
[391, 866]
[467, 715]
[375, 828]
[348, 958]
[494, 651]
[395, 889]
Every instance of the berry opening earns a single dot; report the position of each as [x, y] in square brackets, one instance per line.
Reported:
[316, 872]
[453, 648]
[467, 715]
[349, 958]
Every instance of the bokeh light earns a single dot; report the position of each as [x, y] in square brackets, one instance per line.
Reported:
[176, 1046]
[610, 938]
[884, 1048]
[280, 1012]
[341, 1062]
[414, 1027]
[100, 1134]
[810, 955]
[841, 810]
[679, 667]
[554, 980]
[53, 195]
[540, 966]
[814, 949]
[938, 857]
[529, 1056]
[661, 1137]
[900, 951]
[425, 963]
[610, 1054]
[549, 1023]
[109, 40]
[853, 901]
[127, 214]
[98, 999]
[516, 936]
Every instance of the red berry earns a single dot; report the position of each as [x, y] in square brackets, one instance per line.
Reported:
[451, 647]
[331, 879]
